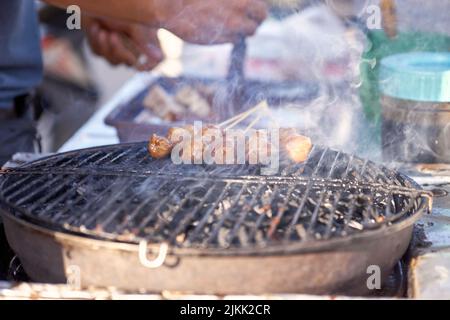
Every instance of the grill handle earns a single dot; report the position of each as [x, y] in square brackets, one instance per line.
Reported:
[158, 261]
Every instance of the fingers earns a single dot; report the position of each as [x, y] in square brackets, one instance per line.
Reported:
[104, 46]
[138, 48]
[151, 60]
[120, 53]
[100, 43]
[133, 52]
[147, 43]
[92, 33]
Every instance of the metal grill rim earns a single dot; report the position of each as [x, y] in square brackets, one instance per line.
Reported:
[396, 184]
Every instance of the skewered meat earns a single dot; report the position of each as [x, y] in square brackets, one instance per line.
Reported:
[230, 146]
[286, 133]
[189, 143]
[259, 147]
[159, 147]
[297, 147]
[175, 134]
[211, 129]
[185, 151]
[227, 151]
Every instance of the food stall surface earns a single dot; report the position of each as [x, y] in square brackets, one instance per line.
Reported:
[428, 260]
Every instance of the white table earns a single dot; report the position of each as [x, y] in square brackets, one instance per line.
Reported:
[95, 132]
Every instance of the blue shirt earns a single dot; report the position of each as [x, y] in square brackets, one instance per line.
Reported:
[20, 52]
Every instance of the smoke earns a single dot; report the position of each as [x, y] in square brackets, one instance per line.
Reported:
[312, 59]
[316, 85]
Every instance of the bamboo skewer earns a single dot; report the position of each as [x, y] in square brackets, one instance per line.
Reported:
[262, 106]
[267, 112]
[258, 117]
[243, 115]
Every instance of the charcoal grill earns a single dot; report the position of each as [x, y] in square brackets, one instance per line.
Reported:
[124, 219]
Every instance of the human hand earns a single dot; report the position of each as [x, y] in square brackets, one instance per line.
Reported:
[126, 43]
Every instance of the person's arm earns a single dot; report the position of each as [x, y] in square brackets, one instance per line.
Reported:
[149, 12]
[196, 21]
[125, 30]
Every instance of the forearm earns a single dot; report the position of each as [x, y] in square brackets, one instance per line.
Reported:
[148, 12]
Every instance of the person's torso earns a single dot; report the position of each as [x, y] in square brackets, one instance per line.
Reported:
[20, 52]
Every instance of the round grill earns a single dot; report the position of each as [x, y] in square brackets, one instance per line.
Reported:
[120, 193]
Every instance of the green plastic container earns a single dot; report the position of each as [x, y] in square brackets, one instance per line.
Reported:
[415, 104]
[382, 46]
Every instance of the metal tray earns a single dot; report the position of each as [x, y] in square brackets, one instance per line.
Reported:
[123, 118]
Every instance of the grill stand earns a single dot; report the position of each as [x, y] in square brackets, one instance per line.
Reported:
[189, 273]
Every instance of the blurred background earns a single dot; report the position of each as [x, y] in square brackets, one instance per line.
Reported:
[324, 43]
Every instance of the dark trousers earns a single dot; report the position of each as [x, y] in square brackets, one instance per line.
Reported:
[17, 134]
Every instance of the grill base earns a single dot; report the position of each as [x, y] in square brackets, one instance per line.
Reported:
[51, 257]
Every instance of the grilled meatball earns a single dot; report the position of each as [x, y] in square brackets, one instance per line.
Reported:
[159, 147]
[294, 145]
[297, 147]
[191, 148]
[189, 152]
[212, 140]
[225, 153]
[212, 130]
[175, 134]
[260, 147]
[286, 133]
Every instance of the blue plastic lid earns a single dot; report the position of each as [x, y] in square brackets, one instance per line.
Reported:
[418, 76]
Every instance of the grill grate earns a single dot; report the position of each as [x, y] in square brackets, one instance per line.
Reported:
[119, 193]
